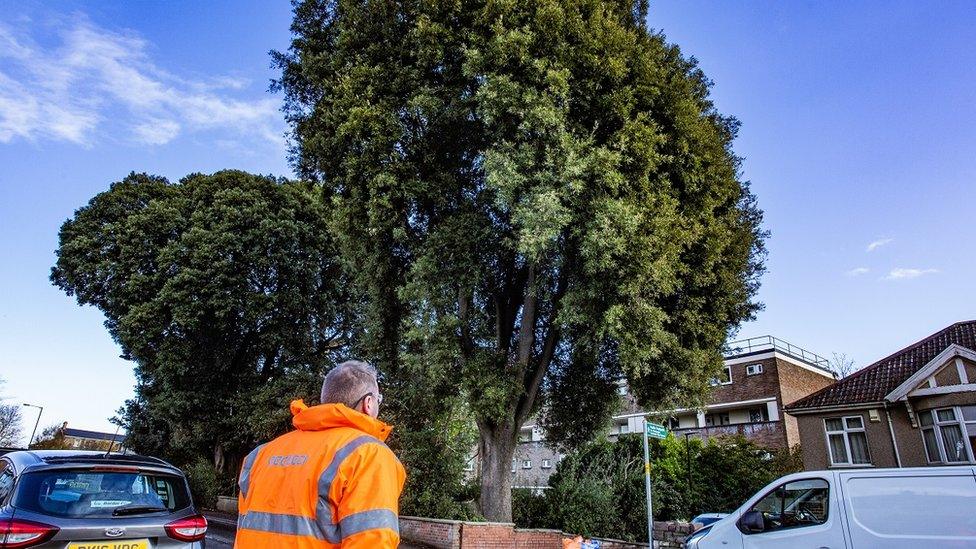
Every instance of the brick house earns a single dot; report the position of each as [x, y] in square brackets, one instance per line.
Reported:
[916, 407]
[90, 440]
[759, 377]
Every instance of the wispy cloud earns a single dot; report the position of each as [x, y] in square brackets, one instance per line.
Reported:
[903, 274]
[97, 82]
[879, 243]
[858, 271]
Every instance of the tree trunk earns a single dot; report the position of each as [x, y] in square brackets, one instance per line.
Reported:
[497, 448]
[219, 457]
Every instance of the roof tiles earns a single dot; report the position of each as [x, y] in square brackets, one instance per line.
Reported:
[872, 383]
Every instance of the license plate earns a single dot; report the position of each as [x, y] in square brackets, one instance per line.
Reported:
[111, 544]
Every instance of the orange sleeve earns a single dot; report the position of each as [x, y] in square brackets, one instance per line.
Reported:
[368, 510]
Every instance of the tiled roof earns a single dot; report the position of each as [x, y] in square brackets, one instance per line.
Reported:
[873, 382]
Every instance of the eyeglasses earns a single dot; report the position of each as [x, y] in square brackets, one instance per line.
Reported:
[377, 396]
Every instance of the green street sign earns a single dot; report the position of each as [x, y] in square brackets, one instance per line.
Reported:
[656, 431]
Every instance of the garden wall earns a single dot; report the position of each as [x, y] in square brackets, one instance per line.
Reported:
[451, 534]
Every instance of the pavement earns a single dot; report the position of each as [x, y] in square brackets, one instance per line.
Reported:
[216, 541]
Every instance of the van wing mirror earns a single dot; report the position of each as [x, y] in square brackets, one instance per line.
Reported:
[752, 522]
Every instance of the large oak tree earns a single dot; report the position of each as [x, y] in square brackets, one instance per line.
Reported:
[536, 198]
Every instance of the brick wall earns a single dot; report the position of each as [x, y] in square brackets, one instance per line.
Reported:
[443, 534]
[745, 387]
[446, 534]
[795, 383]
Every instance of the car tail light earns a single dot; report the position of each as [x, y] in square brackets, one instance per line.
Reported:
[16, 533]
[188, 529]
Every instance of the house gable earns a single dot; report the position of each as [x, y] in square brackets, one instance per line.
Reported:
[948, 372]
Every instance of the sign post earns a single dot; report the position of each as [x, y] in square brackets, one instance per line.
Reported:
[656, 431]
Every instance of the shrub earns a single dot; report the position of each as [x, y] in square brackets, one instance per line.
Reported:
[530, 510]
[206, 483]
[599, 489]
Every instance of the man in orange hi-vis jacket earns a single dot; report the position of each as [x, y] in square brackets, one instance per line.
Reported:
[332, 482]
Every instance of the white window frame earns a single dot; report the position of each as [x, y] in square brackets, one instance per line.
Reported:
[715, 381]
[847, 441]
[514, 461]
[754, 369]
[526, 463]
[965, 427]
[547, 464]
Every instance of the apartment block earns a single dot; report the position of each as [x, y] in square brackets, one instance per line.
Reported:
[760, 377]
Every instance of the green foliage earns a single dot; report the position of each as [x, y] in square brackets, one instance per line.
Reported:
[206, 483]
[533, 200]
[530, 510]
[434, 450]
[225, 292]
[599, 490]
[51, 438]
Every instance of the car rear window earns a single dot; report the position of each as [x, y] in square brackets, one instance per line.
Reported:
[78, 493]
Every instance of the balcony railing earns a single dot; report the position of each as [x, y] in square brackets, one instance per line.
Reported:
[766, 343]
[748, 430]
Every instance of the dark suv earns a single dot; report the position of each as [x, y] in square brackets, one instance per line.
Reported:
[92, 500]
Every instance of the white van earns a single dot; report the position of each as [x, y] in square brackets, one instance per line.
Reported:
[913, 508]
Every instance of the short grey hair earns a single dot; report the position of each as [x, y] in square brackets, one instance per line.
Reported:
[348, 382]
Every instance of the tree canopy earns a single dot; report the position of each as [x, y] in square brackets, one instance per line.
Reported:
[225, 291]
[535, 199]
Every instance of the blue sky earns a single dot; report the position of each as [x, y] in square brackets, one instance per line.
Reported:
[857, 131]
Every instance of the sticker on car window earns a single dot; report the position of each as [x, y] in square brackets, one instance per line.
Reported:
[103, 503]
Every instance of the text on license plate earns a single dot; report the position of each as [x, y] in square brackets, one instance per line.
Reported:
[111, 544]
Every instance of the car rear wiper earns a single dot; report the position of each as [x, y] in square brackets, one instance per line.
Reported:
[136, 510]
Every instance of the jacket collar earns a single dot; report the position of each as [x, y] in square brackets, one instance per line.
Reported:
[328, 416]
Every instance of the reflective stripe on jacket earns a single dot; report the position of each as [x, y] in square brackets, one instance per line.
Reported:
[330, 483]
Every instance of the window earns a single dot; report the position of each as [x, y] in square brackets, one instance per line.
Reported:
[527, 464]
[847, 440]
[949, 434]
[794, 505]
[6, 482]
[754, 369]
[78, 493]
[547, 464]
[724, 378]
[759, 414]
[624, 428]
[672, 423]
[513, 464]
[721, 418]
